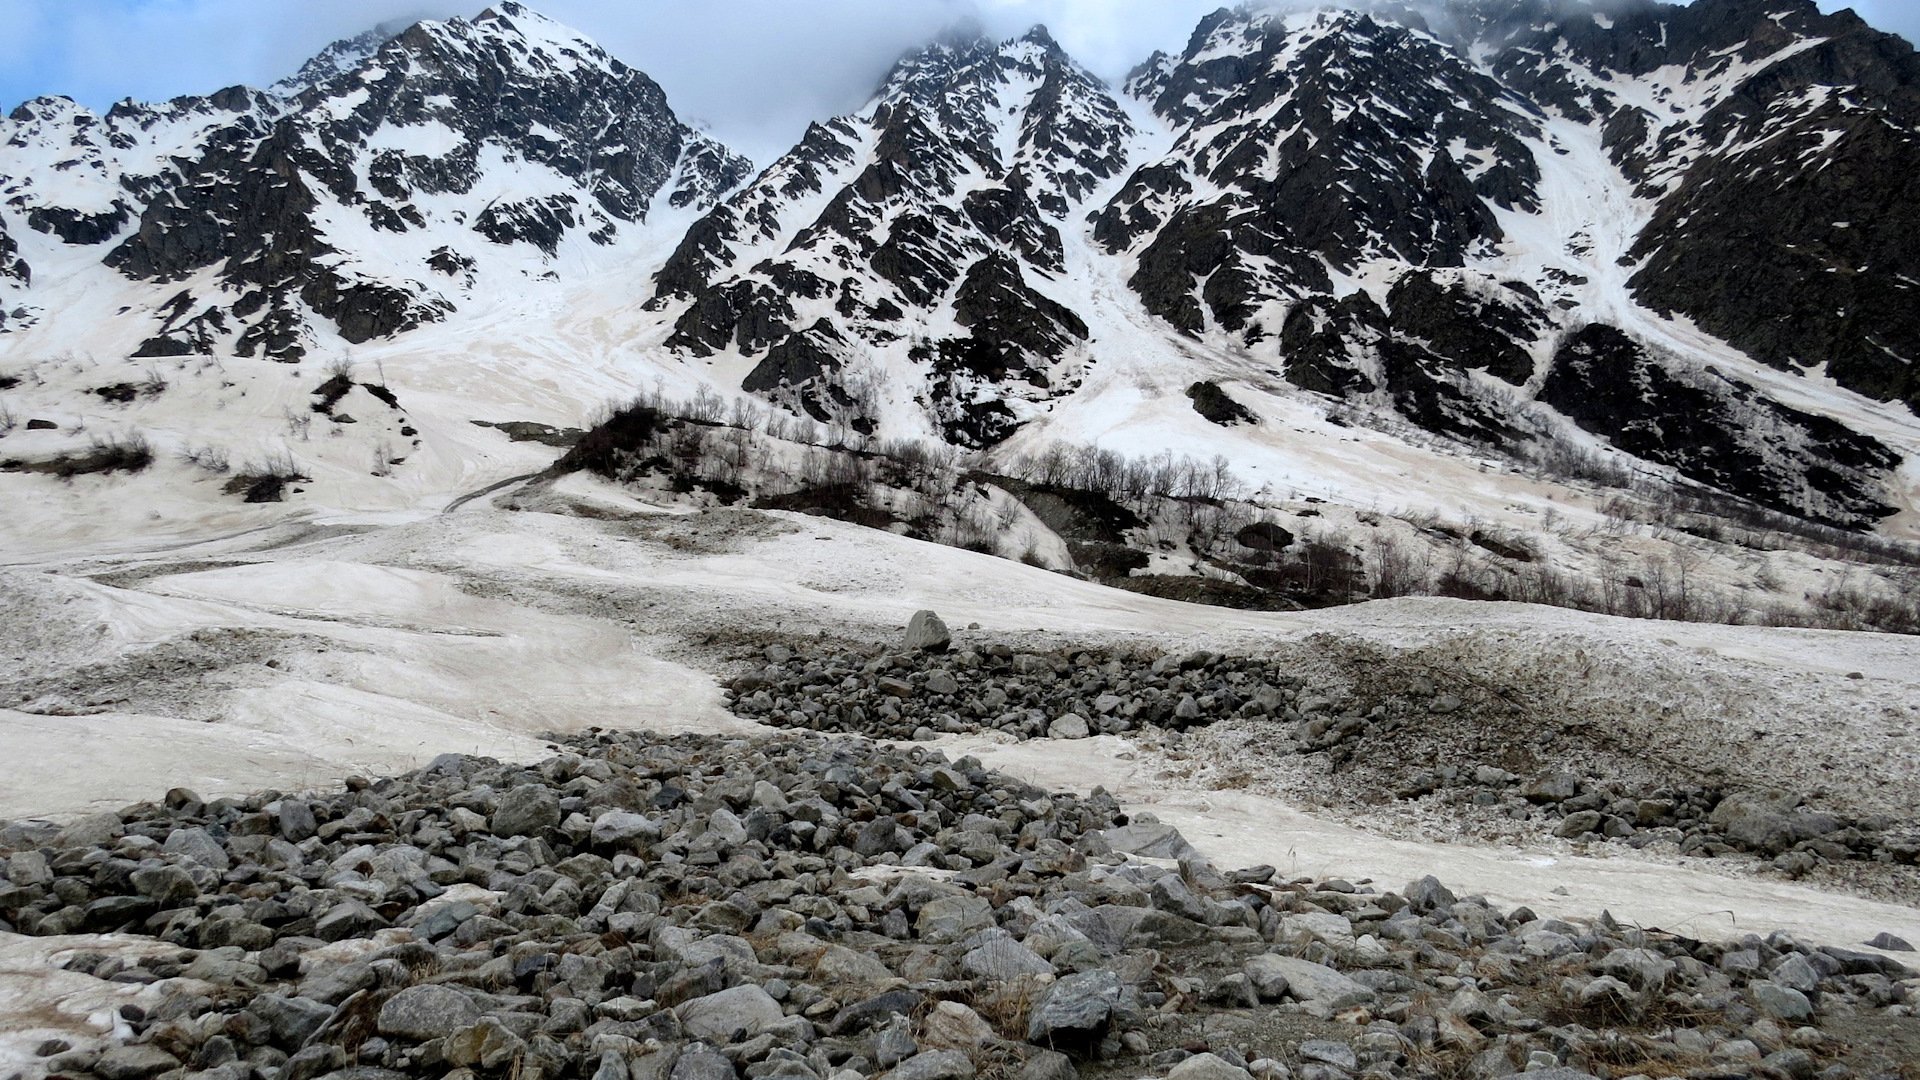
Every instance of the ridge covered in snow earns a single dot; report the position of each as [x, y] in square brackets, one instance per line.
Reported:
[1674, 242]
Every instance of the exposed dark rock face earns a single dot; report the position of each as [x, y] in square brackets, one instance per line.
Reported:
[1482, 328]
[11, 264]
[799, 371]
[1308, 146]
[1013, 331]
[1719, 431]
[1326, 148]
[1350, 348]
[1008, 320]
[1213, 403]
[75, 227]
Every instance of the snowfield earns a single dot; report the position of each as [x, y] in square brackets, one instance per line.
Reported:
[293, 655]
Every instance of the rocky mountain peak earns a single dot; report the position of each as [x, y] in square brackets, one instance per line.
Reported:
[337, 59]
[450, 140]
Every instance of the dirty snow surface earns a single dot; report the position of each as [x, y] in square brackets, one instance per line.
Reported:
[293, 655]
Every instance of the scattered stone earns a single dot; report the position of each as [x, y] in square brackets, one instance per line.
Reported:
[794, 907]
[1889, 942]
[527, 810]
[1207, 1066]
[1076, 1011]
[1274, 976]
[934, 1065]
[926, 633]
[743, 1011]
[426, 1012]
[1068, 726]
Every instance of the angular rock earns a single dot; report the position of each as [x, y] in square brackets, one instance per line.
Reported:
[1274, 976]
[720, 1017]
[134, 1063]
[1146, 836]
[617, 827]
[926, 633]
[1207, 1066]
[1003, 960]
[934, 1065]
[1068, 726]
[426, 1012]
[1428, 894]
[952, 1026]
[1781, 1002]
[1328, 1052]
[200, 846]
[527, 810]
[487, 1045]
[1076, 1011]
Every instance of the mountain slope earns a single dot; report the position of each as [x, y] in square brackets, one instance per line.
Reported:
[1409, 213]
[1670, 244]
[925, 229]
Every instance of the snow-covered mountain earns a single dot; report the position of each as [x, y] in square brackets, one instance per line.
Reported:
[1679, 238]
[1454, 216]
[916, 229]
[363, 196]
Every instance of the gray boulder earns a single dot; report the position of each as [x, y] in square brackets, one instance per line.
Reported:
[926, 633]
[168, 886]
[1076, 1011]
[1781, 1002]
[702, 1065]
[1889, 942]
[1002, 960]
[91, 831]
[426, 1012]
[1147, 836]
[717, 1018]
[292, 1019]
[617, 827]
[527, 810]
[1328, 1052]
[487, 1045]
[1317, 984]
[934, 1065]
[1208, 1066]
[1428, 894]
[950, 918]
[297, 822]
[135, 1063]
[199, 846]
[1068, 726]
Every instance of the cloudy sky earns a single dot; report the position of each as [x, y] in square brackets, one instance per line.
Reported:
[752, 71]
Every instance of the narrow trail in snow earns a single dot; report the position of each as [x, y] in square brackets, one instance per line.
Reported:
[488, 490]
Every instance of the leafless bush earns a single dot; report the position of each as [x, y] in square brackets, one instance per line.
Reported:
[213, 459]
[299, 422]
[1395, 568]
